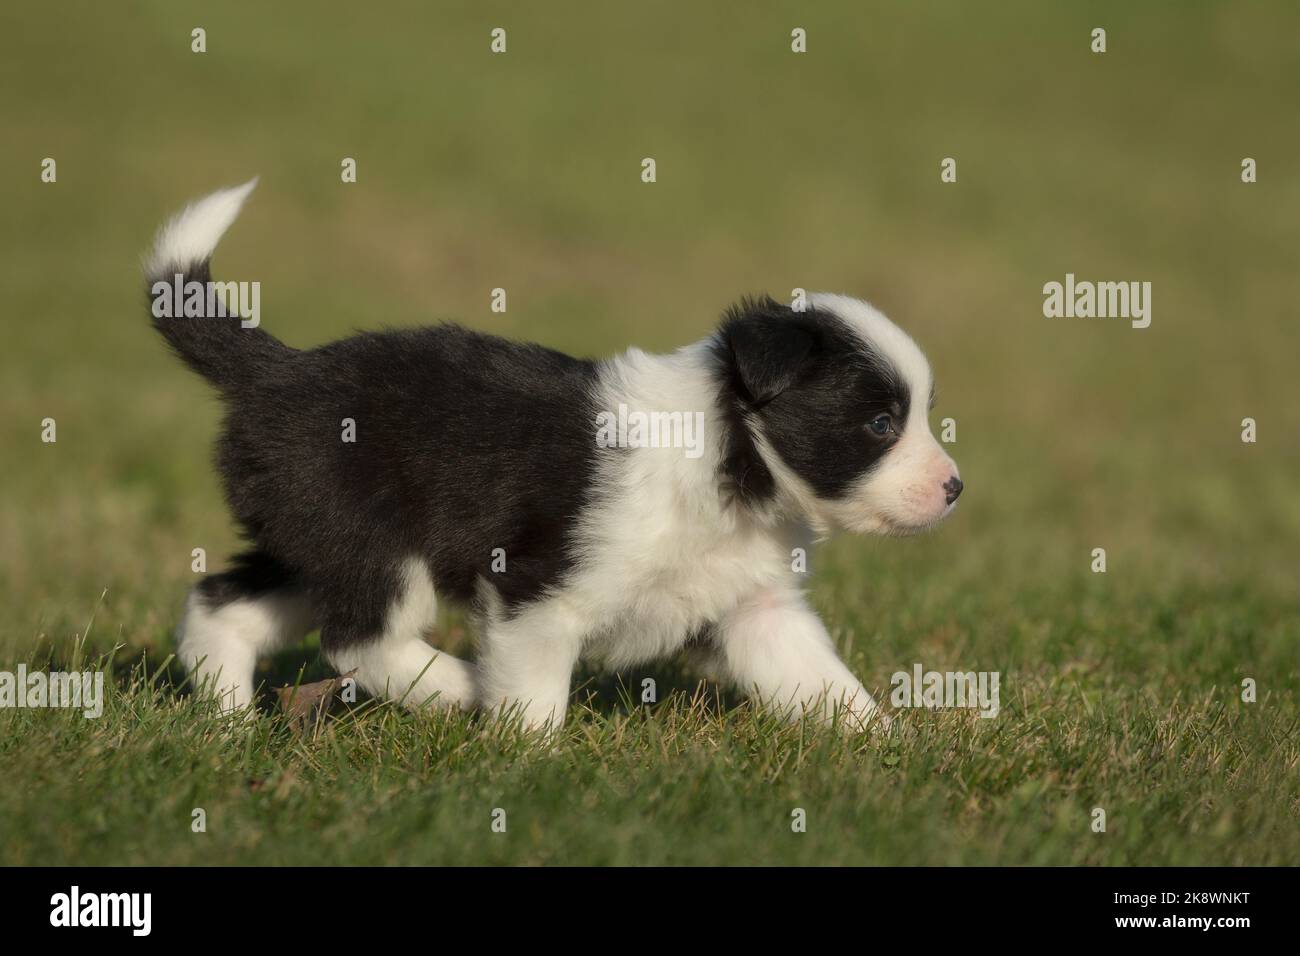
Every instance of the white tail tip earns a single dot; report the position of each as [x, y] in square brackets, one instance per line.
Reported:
[192, 234]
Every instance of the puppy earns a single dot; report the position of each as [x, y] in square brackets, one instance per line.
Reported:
[612, 511]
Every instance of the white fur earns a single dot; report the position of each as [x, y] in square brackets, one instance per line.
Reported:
[775, 646]
[192, 234]
[220, 647]
[398, 664]
[526, 661]
[883, 335]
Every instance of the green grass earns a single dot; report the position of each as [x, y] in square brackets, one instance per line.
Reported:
[1124, 709]
[1119, 690]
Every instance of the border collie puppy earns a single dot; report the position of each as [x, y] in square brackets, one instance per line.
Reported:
[377, 475]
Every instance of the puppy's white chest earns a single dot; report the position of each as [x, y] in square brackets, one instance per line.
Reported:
[652, 608]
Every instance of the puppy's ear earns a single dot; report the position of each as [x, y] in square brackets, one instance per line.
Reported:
[767, 345]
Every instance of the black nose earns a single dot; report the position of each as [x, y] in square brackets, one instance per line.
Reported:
[953, 487]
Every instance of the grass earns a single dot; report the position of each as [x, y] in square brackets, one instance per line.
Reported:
[1184, 775]
[1119, 690]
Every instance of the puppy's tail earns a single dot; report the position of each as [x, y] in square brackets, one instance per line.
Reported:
[224, 347]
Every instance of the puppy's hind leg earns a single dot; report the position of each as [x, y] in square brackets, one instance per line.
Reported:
[233, 618]
[392, 660]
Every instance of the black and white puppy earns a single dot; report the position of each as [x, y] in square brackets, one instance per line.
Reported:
[611, 511]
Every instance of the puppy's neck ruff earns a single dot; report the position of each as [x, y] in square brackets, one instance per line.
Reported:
[687, 382]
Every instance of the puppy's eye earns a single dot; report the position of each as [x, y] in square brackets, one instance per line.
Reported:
[881, 425]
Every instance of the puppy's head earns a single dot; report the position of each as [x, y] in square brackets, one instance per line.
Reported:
[830, 409]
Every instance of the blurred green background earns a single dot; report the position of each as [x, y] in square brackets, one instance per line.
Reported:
[775, 171]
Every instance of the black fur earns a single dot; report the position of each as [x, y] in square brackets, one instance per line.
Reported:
[812, 385]
[217, 347]
[454, 430]
[252, 573]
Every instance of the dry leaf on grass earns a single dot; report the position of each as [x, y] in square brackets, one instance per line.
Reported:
[308, 703]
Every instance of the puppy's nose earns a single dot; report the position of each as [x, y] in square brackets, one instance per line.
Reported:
[952, 487]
